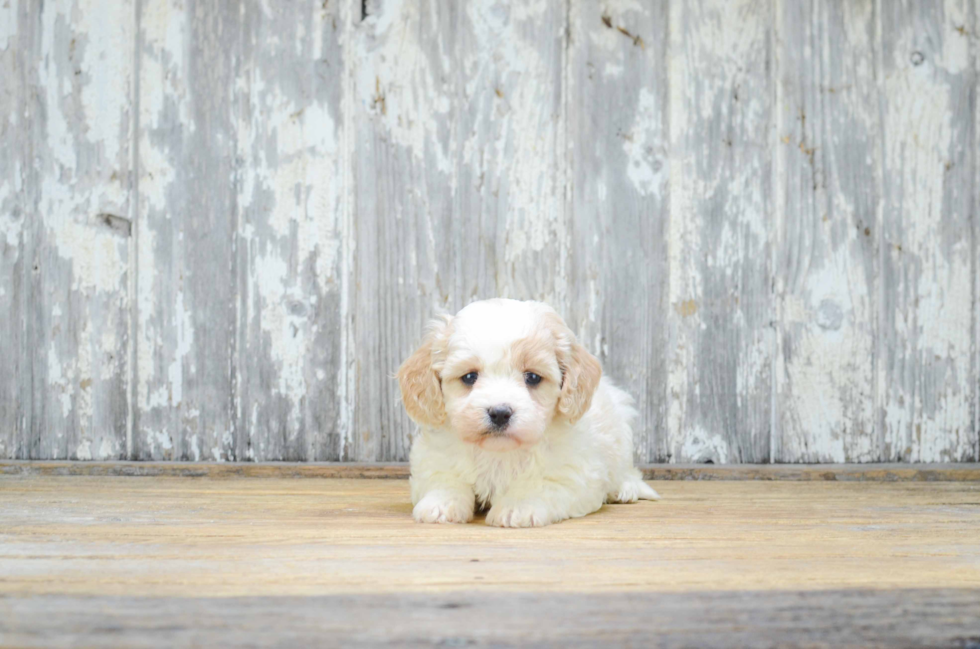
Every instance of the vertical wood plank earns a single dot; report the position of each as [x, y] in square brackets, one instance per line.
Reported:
[975, 243]
[510, 226]
[721, 340]
[80, 251]
[825, 232]
[187, 277]
[17, 68]
[618, 149]
[459, 180]
[925, 385]
[290, 200]
[403, 121]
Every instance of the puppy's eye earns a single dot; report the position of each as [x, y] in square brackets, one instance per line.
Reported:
[530, 378]
[469, 379]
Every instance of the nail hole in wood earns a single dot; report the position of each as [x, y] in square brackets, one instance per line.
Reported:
[119, 224]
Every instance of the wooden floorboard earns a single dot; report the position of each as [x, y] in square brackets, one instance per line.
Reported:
[164, 561]
[757, 619]
[888, 472]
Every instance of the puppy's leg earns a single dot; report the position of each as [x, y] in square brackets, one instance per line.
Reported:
[540, 502]
[446, 502]
[632, 490]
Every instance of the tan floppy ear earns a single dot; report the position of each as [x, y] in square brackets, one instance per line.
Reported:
[419, 382]
[581, 372]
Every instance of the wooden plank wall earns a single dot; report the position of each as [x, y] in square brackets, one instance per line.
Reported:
[224, 224]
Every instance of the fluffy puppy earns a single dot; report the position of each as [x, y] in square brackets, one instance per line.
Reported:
[515, 417]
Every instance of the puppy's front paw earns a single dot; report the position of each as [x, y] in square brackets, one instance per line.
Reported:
[444, 507]
[520, 514]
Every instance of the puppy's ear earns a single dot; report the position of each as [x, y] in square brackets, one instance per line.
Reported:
[419, 381]
[581, 372]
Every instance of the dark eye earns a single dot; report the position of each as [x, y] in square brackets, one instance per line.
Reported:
[530, 378]
[469, 379]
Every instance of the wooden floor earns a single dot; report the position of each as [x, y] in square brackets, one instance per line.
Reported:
[162, 561]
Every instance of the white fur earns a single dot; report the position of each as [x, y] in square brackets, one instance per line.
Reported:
[544, 468]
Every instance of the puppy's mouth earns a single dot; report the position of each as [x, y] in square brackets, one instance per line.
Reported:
[494, 434]
[498, 440]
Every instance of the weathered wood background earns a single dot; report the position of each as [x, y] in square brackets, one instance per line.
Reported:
[224, 223]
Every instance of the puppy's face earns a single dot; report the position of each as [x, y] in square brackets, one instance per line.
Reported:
[498, 374]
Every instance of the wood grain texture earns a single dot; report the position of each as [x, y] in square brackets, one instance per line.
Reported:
[402, 118]
[721, 338]
[187, 278]
[223, 226]
[886, 472]
[79, 196]
[510, 218]
[925, 346]
[834, 619]
[617, 213]
[290, 200]
[17, 68]
[459, 189]
[150, 537]
[825, 249]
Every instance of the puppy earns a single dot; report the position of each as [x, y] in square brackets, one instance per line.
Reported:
[515, 417]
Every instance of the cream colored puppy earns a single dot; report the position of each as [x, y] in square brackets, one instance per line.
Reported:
[514, 416]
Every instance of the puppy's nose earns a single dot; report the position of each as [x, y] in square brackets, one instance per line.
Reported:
[500, 416]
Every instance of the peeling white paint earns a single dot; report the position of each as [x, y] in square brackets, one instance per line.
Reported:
[84, 451]
[99, 259]
[489, 105]
[159, 439]
[290, 202]
[927, 404]
[60, 382]
[185, 337]
[403, 93]
[523, 139]
[304, 178]
[700, 445]
[645, 171]
[718, 191]
[9, 12]
[11, 229]
[823, 379]
[106, 92]
[195, 448]
[288, 333]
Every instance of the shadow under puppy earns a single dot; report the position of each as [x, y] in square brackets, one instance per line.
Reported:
[515, 416]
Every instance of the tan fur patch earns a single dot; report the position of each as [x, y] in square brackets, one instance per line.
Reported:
[581, 371]
[419, 380]
[534, 353]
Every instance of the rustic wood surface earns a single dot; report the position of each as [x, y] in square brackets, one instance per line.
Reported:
[224, 225]
[927, 365]
[166, 561]
[618, 203]
[18, 66]
[827, 189]
[291, 152]
[834, 619]
[721, 343]
[186, 369]
[179, 537]
[886, 472]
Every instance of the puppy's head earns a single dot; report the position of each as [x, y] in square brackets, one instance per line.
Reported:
[498, 373]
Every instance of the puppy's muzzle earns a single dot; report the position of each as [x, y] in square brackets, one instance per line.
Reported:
[499, 417]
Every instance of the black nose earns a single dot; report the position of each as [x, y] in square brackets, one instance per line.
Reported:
[500, 416]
